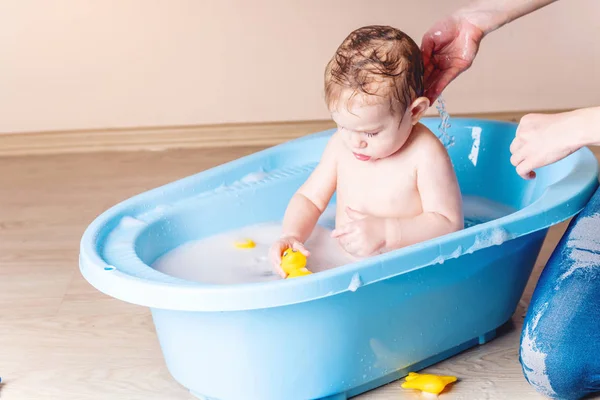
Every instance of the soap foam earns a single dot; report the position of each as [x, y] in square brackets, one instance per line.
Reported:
[456, 253]
[254, 177]
[494, 237]
[131, 222]
[216, 260]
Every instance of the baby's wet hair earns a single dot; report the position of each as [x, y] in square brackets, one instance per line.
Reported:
[376, 60]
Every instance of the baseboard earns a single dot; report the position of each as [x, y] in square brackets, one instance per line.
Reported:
[165, 138]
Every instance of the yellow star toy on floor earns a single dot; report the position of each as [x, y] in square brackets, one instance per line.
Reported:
[427, 383]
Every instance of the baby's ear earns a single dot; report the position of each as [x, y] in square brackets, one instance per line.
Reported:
[418, 108]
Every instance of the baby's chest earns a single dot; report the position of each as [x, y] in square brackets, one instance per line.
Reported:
[373, 190]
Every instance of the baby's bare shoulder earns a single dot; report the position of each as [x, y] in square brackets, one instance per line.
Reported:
[424, 142]
[430, 153]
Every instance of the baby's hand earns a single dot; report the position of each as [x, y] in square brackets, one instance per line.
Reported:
[280, 246]
[362, 237]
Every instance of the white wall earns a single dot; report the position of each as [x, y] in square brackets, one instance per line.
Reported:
[77, 64]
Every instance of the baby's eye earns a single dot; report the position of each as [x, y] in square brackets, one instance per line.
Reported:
[371, 134]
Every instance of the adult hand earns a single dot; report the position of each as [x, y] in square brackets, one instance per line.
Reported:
[448, 49]
[450, 46]
[543, 139]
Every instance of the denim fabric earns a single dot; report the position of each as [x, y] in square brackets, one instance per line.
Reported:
[560, 342]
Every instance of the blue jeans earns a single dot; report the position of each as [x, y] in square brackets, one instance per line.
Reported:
[560, 341]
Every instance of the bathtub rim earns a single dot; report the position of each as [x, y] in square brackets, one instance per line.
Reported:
[565, 198]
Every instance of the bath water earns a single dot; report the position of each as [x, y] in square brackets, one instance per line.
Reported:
[444, 137]
[216, 260]
[478, 210]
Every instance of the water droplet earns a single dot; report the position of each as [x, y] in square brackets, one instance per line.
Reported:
[446, 139]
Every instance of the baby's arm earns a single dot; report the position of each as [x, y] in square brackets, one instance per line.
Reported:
[440, 197]
[307, 204]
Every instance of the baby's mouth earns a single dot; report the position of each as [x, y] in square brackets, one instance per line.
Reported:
[361, 157]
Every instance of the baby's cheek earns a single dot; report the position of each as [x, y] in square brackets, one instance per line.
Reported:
[385, 149]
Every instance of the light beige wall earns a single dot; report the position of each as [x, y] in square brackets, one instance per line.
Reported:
[72, 64]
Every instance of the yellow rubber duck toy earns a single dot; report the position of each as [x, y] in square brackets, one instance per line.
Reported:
[426, 383]
[293, 263]
[245, 244]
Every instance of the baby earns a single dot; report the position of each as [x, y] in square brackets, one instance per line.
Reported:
[394, 180]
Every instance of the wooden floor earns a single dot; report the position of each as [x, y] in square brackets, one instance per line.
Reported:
[62, 339]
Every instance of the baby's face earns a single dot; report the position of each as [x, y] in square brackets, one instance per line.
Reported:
[370, 130]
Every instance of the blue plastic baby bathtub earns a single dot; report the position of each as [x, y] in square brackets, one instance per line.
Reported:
[338, 333]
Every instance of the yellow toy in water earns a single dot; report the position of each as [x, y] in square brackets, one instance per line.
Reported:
[427, 383]
[293, 263]
[246, 244]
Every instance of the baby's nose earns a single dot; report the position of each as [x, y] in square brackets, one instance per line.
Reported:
[358, 142]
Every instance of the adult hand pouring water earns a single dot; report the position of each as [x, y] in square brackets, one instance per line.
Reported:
[560, 342]
[450, 47]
